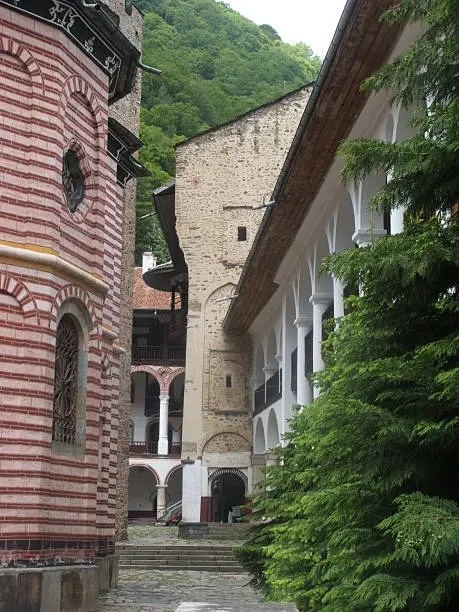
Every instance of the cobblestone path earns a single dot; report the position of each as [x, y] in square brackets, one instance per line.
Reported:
[184, 591]
[181, 591]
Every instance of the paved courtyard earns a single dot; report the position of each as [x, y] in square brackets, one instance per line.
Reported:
[185, 591]
[181, 591]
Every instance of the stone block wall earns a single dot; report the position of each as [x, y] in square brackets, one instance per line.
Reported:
[221, 175]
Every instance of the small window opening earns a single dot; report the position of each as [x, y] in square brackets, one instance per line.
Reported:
[65, 381]
[242, 234]
[128, 6]
[73, 181]
[228, 382]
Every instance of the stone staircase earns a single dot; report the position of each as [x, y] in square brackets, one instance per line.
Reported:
[223, 531]
[212, 531]
[200, 557]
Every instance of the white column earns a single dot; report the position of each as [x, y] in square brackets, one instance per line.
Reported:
[396, 215]
[338, 298]
[192, 487]
[396, 220]
[280, 367]
[364, 237]
[303, 388]
[271, 459]
[319, 306]
[160, 500]
[163, 443]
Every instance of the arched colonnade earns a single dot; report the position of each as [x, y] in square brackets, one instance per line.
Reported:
[290, 341]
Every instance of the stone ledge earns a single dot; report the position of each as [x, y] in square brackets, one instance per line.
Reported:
[63, 588]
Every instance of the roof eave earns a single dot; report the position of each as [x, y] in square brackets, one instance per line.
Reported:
[233, 321]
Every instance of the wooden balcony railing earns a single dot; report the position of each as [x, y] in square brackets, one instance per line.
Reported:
[151, 448]
[162, 354]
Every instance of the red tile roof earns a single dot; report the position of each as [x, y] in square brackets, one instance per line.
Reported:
[144, 297]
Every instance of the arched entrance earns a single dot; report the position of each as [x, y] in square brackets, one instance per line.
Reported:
[174, 486]
[228, 490]
[142, 492]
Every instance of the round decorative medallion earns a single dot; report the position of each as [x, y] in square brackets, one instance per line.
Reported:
[72, 180]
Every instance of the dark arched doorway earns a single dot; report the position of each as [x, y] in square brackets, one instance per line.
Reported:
[142, 493]
[228, 492]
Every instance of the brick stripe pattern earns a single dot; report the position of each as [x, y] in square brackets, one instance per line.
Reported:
[53, 98]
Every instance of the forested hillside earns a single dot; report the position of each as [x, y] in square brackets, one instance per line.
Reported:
[216, 65]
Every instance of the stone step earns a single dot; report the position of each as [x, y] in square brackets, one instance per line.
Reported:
[227, 526]
[177, 562]
[216, 549]
[176, 556]
[172, 558]
[230, 569]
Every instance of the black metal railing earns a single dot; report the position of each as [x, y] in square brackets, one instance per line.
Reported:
[163, 354]
[273, 391]
[268, 393]
[147, 353]
[151, 448]
[175, 449]
[259, 399]
[293, 370]
[175, 405]
[143, 448]
[151, 405]
[176, 353]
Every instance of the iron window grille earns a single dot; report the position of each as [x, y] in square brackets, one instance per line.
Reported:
[72, 181]
[65, 381]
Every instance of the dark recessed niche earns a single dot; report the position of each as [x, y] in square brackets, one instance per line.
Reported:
[242, 234]
[72, 181]
[228, 381]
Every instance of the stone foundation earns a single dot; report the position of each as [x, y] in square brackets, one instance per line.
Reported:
[193, 531]
[67, 588]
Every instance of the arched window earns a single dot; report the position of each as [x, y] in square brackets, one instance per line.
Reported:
[70, 379]
[65, 398]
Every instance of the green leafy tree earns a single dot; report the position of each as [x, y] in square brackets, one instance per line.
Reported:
[364, 508]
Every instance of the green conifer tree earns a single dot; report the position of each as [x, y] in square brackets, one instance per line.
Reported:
[363, 509]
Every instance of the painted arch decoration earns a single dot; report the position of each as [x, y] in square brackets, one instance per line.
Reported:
[163, 374]
[221, 471]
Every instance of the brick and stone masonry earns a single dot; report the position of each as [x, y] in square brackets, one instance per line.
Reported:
[220, 176]
[58, 506]
[127, 112]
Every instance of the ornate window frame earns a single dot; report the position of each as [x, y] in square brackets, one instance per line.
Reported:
[83, 325]
[80, 178]
[73, 181]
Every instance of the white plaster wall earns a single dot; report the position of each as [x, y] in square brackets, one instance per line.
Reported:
[138, 407]
[264, 417]
[162, 465]
[174, 488]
